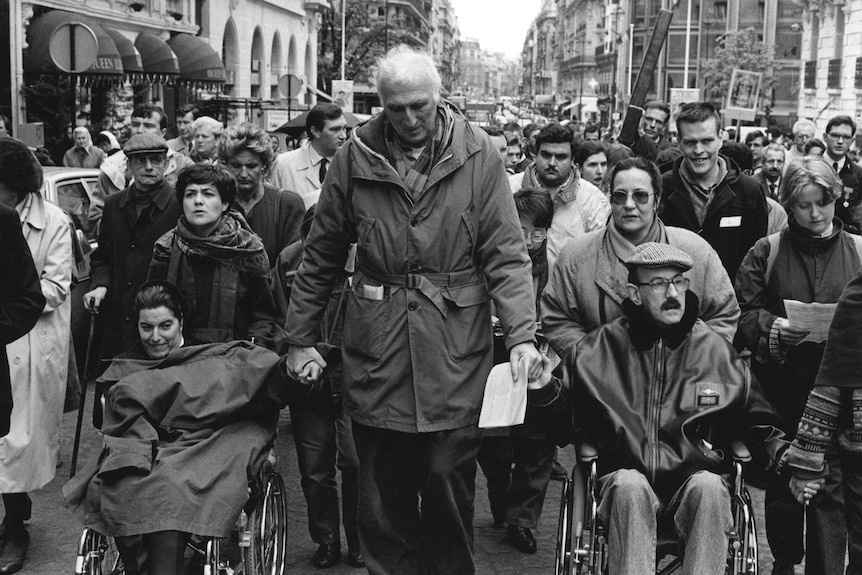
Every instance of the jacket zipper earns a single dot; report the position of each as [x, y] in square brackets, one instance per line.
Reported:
[655, 408]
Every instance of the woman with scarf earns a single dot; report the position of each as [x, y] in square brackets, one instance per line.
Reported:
[215, 258]
[811, 261]
[185, 428]
[588, 283]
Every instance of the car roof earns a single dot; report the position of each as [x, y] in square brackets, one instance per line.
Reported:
[60, 172]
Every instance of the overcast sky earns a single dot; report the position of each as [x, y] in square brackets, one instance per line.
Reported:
[499, 25]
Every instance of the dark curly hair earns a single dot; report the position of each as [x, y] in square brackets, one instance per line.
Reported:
[19, 169]
[215, 174]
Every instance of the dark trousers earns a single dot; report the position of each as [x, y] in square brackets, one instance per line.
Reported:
[534, 459]
[324, 442]
[495, 459]
[826, 537]
[416, 499]
[159, 553]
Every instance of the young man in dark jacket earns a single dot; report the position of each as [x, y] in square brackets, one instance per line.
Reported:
[708, 194]
[660, 425]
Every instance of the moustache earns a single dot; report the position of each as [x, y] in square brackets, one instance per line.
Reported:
[670, 305]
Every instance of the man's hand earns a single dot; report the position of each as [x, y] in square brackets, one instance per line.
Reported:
[305, 364]
[545, 378]
[93, 299]
[804, 489]
[790, 336]
[526, 354]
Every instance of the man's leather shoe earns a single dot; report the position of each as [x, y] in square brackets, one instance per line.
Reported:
[521, 538]
[355, 558]
[326, 556]
[782, 568]
[14, 551]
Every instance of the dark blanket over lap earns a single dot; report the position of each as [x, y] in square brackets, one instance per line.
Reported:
[183, 437]
[842, 359]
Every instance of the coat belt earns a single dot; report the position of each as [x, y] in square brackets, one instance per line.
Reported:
[428, 284]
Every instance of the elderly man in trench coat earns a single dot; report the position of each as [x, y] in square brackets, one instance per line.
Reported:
[426, 199]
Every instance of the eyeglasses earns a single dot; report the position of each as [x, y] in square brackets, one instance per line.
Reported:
[535, 236]
[620, 198]
[840, 137]
[660, 286]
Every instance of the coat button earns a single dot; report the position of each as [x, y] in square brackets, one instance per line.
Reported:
[131, 247]
[415, 268]
[412, 306]
[16, 361]
[414, 222]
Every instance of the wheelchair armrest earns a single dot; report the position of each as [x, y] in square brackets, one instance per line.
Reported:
[587, 452]
[739, 452]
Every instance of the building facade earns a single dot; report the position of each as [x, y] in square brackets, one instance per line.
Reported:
[539, 59]
[444, 42]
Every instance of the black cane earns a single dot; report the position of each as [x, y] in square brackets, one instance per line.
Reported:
[82, 403]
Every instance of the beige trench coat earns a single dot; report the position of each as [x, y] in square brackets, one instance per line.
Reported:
[38, 362]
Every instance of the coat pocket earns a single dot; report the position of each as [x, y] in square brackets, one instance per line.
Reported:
[366, 322]
[468, 320]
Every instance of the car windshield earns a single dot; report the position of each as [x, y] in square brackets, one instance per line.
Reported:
[74, 198]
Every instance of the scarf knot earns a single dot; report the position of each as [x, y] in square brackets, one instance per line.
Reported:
[233, 244]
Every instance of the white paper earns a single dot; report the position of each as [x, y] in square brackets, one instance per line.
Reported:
[505, 402]
[814, 317]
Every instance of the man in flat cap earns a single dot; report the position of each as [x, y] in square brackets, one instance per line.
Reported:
[659, 394]
[133, 220]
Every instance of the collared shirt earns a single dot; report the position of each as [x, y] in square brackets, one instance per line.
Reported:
[833, 162]
[773, 187]
[315, 159]
[89, 157]
[700, 196]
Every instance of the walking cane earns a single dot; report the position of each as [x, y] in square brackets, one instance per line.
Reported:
[74, 466]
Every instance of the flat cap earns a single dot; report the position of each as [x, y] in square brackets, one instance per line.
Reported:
[656, 255]
[145, 144]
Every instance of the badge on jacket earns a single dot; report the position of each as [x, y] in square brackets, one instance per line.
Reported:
[708, 395]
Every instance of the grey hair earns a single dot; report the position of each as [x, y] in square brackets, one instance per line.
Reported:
[804, 123]
[211, 123]
[405, 67]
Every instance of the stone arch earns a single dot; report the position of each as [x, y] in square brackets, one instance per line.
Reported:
[276, 65]
[230, 55]
[258, 64]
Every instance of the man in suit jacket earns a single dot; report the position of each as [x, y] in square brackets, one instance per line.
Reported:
[21, 299]
[840, 131]
[302, 170]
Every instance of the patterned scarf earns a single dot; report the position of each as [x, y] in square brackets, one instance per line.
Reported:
[233, 244]
[416, 176]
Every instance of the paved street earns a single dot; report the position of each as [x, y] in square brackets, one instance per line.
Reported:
[54, 532]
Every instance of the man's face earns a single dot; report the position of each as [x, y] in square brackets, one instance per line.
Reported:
[148, 170]
[81, 139]
[499, 143]
[412, 111]
[553, 163]
[773, 164]
[206, 142]
[654, 122]
[756, 147]
[594, 168]
[802, 135]
[700, 142]
[513, 155]
[333, 134]
[838, 140]
[591, 136]
[184, 126]
[665, 308]
[147, 125]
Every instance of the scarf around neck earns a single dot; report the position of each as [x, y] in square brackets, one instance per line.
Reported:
[233, 244]
[417, 175]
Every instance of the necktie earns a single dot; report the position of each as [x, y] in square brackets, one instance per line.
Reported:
[322, 173]
[772, 190]
[835, 166]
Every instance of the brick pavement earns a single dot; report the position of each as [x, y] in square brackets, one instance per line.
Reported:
[54, 532]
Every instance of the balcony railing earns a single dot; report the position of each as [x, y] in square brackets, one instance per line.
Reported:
[833, 78]
[810, 81]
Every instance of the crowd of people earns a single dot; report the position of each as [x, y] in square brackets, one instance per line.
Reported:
[368, 281]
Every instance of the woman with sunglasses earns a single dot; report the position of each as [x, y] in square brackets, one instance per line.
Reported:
[588, 285]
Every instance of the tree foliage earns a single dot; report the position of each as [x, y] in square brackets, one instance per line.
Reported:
[366, 40]
[743, 50]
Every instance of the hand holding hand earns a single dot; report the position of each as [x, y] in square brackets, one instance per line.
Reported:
[305, 364]
[545, 378]
[804, 489]
[528, 354]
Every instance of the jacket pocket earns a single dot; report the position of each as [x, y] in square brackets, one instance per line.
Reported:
[468, 320]
[366, 322]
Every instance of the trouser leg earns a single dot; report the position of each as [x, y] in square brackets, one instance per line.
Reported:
[388, 513]
[534, 459]
[18, 510]
[702, 516]
[446, 475]
[628, 508]
[348, 464]
[826, 537]
[495, 459]
[851, 467]
[784, 522]
[159, 553]
[314, 434]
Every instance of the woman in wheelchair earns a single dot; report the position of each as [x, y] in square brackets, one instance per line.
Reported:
[186, 430]
[658, 393]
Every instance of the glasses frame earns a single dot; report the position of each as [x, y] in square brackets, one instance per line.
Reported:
[660, 286]
[634, 195]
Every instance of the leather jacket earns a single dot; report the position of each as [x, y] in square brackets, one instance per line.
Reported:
[662, 402]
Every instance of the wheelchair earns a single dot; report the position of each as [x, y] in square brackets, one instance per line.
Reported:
[582, 542]
[261, 534]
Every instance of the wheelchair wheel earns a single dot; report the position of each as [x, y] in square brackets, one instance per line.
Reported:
[97, 555]
[265, 551]
[562, 563]
[743, 554]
